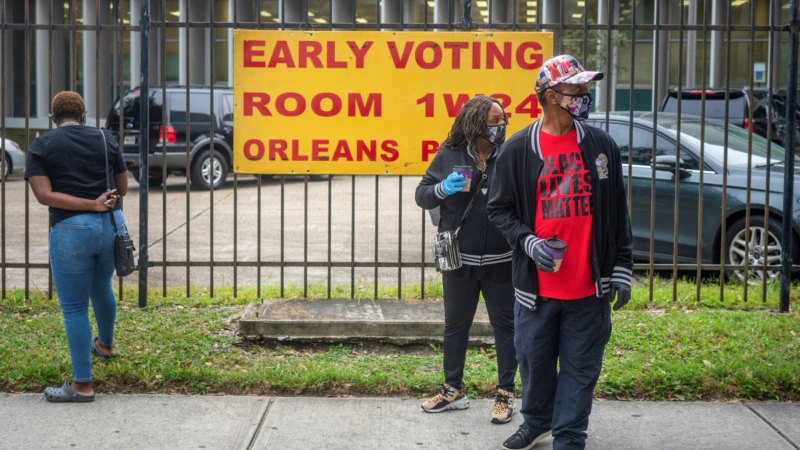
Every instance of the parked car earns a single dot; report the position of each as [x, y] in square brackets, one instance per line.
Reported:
[764, 242]
[15, 158]
[764, 107]
[173, 130]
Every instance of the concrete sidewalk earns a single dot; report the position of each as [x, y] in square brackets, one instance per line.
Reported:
[196, 422]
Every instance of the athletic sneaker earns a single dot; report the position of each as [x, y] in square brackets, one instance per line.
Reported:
[525, 439]
[447, 398]
[503, 406]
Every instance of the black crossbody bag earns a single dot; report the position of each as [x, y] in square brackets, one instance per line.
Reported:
[446, 251]
[123, 244]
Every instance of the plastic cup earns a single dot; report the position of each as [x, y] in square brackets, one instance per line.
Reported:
[555, 248]
[466, 172]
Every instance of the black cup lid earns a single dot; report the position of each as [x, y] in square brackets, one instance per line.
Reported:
[556, 244]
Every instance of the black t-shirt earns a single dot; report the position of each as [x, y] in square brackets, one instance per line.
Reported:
[72, 157]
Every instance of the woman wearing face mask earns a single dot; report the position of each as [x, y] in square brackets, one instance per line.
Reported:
[473, 142]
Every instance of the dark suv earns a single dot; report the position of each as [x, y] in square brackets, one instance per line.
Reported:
[172, 134]
[738, 109]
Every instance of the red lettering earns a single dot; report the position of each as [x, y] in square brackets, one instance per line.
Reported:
[390, 152]
[281, 55]
[535, 58]
[296, 156]
[530, 105]
[257, 100]
[427, 99]
[493, 54]
[342, 151]
[250, 52]
[317, 148]
[505, 101]
[299, 107]
[400, 62]
[277, 147]
[429, 148]
[419, 56]
[310, 50]
[453, 107]
[336, 104]
[248, 150]
[362, 149]
[359, 52]
[476, 55]
[456, 48]
[332, 62]
[356, 104]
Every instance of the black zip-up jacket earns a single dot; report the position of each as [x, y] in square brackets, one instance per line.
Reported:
[512, 207]
[485, 254]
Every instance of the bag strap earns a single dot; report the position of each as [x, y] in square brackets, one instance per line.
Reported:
[469, 205]
[108, 180]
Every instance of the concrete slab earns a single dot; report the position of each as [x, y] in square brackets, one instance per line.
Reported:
[133, 422]
[295, 423]
[785, 417]
[387, 424]
[673, 425]
[339, 320]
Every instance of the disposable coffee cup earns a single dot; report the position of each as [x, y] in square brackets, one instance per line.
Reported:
[555, 248]
[466, 172]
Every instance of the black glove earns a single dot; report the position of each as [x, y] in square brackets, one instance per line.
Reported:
[623, 294]
[534, 249]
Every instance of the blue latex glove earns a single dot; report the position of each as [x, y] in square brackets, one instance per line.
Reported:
[454, 183]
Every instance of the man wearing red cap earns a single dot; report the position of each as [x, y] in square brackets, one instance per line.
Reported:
[559, 199]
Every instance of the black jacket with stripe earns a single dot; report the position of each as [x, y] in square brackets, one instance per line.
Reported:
[484, 251]
[512, 207]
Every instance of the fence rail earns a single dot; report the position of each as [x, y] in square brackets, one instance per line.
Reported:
[347, 229]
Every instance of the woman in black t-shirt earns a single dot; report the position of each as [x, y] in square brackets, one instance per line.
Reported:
[77, 175]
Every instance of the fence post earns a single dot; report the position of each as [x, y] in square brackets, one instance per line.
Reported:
[144, 150]
[788, 178]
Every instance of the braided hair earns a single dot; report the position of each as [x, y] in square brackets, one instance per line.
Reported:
[469, 123]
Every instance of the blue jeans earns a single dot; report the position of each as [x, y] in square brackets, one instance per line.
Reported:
[82, 260]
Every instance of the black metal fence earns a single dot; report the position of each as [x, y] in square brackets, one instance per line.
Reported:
[716, 217]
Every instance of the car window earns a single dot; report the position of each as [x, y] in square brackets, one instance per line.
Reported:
[715, 108]
[227, 108]
[200, 106]
[643, 146]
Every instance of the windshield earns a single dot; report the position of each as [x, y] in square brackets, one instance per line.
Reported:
[737, 143]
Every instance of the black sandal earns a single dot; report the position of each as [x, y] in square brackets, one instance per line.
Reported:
[65, 394]
[96, 351]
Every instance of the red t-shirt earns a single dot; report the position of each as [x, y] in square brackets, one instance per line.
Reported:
[564, 209]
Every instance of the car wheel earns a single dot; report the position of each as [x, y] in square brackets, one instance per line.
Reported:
[761, 245]
[202, 173]
[8, 167]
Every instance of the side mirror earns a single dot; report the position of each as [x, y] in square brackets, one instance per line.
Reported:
[668, 163]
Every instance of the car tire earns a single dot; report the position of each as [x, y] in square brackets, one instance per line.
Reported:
[764, 244]
[153, 181]
[201, 173]
[8, 167]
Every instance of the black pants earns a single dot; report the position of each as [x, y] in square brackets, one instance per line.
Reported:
[460, 303]
[573, 334]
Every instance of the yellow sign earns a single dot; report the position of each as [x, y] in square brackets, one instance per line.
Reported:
[370, 102]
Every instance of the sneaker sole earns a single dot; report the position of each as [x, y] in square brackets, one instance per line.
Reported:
[538, 439]
[508, 419]
[456, 405]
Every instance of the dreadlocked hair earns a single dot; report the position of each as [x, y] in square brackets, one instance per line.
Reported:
[469, 123]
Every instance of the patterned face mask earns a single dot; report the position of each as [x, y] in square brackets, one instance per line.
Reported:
[495, 134]
[578, 106]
